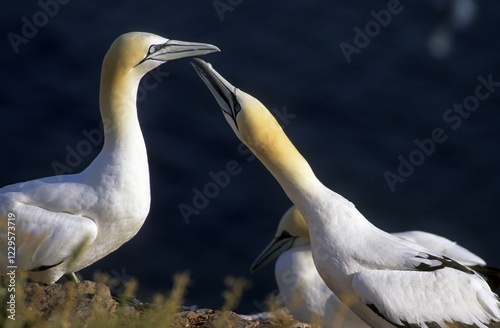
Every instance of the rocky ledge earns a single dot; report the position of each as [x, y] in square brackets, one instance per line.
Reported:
[90, 304]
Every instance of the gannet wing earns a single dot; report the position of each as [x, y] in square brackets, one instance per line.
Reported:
[47, 238]
[458, 253]
[442, 245]
[410, 297]
[56, 194]
[427, 262]
[389, 252]
[50, 222]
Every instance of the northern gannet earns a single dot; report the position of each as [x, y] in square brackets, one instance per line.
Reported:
[65, 223]
[306, 295]
[385, 280]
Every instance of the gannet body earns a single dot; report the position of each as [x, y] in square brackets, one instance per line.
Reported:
[306, 295]
[65, 223]
[385, 280]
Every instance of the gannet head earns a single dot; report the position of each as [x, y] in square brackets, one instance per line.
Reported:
[223, 91]
[292, 232]
[250, 120]
[140, 52]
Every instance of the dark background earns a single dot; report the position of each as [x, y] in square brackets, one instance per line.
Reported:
[352, 122]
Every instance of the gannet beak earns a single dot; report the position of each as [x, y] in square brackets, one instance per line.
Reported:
[277, 246]
[223, 91]
[173, 49]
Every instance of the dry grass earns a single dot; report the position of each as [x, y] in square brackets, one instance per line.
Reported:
[164, 311]
[232, 296]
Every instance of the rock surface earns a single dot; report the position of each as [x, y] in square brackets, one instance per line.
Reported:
[89, 304]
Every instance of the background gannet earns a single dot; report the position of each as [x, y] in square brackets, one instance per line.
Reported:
[306, 295]
[385, 280]
[91, 214]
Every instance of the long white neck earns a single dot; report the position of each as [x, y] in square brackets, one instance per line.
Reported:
[260, 131]
[123, 157]
[332, 219]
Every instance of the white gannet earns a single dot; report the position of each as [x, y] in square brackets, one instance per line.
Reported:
[306, 295]
[385, 280]
[94, 212]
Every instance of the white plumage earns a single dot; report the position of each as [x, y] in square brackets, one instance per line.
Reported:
[65, 223]
[305, 294]
[385, 280]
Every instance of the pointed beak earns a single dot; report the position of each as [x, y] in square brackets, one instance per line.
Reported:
[223, 91]
[173, 49]
[277, 246]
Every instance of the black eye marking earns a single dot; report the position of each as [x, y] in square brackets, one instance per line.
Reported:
[285, 235]
[152, 49]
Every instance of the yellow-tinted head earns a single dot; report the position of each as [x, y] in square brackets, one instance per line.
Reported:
[134, 54]
[250, 120]
[141, 52]
[292, 232]
[293, 223]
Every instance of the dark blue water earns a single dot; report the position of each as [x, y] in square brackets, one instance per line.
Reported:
[353, 122]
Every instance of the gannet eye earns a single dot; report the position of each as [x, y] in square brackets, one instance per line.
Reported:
[152, 53]
[152, 49]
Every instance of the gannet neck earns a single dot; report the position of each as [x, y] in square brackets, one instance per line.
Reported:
[118, 95]
[118, 107]
[256, 127]
[123, 160]
[260, 132]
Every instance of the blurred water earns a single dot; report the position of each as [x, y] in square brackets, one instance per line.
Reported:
[352, 122]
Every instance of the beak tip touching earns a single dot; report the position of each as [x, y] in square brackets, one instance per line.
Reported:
[209, 48]
[197, 61]
[199, 69]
